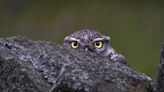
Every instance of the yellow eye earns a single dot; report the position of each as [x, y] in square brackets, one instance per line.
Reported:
[74, 44]
[98, 44]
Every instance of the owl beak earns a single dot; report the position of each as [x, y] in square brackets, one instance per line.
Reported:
[86, 49]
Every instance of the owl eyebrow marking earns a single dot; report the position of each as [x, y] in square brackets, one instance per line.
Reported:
[100, 39]
[71, 39]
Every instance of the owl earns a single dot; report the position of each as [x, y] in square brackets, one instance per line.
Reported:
[93, 41]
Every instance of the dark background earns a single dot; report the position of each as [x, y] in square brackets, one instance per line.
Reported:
[135, 26]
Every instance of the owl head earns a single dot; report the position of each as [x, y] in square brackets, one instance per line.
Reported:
[88, 40]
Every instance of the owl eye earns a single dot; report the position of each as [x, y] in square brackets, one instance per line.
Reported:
[74, 44]
[98, 44]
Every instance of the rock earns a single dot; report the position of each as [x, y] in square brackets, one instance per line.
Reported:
[39, 66]
[160, 77]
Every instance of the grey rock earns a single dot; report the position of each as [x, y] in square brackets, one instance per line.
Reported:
[160, 76]
[40, 66]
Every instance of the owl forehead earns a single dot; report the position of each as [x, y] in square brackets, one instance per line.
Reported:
[86, 35]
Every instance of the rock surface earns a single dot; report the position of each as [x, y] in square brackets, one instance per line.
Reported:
[160, 77]
[39, 66]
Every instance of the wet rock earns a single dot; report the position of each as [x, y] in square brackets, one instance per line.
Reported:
[39, 66]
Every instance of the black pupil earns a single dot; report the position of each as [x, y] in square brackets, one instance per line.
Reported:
[75, 44]
[97, 43]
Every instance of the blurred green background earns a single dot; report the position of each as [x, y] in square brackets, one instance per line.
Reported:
[135, 26]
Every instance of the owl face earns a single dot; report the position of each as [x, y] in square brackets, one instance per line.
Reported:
[88, 40]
